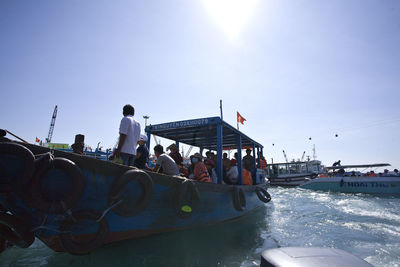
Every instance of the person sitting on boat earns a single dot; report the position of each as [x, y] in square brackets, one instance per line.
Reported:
[372, 174]
[142, 153]
[263, 162]
[396, 172]
[210, 165]
[175, 154]
[234, 160]
[200, 171]
[164, 164]
[248, 160]
[129, 133]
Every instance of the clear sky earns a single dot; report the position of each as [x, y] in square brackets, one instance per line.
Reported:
[293, 69]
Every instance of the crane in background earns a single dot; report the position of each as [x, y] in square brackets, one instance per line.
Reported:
[52, 123]
[188, 152]
[284, 154]
[302, 157]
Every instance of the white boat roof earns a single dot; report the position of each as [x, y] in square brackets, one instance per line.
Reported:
[358, 166]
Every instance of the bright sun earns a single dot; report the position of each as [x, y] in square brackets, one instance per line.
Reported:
[230, 15]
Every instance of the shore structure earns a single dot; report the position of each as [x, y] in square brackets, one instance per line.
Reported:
[76, 203]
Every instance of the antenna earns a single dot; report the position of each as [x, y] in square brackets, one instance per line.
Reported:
[314, 154]
[52, 123]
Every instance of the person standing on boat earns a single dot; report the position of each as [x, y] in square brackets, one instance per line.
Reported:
[248, 160]
[226, 162]
[142, 153]
[165, 164]
[129, 133]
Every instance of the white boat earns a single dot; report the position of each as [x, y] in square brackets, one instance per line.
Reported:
[293, 173]
[356, 182]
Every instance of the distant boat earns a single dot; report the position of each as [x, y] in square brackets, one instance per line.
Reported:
[77, 203]
[356, 182]
[293, 173]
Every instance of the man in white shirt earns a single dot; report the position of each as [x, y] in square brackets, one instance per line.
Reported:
[129, 134]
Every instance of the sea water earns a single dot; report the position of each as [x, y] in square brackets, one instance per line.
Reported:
[364, 225]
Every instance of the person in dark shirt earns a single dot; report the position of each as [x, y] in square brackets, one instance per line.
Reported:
[248, 160]
[142, 153]
[234, 160]
[175, 154]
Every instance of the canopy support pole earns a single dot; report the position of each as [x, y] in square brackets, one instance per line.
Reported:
[239, 159]
[148, 139]
[219, 152]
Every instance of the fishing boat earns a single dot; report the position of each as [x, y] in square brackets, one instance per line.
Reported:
[356, 182]
[291, 174]
[77, 204]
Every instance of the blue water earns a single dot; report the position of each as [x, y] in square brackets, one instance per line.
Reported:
[366, 226]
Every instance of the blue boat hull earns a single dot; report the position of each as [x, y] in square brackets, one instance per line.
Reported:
[370, 185]
[214, 203]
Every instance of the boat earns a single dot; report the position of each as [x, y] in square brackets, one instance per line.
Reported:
[76, 203]
[292, 174]
[355, 182]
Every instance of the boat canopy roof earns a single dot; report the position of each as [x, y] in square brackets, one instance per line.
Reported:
[202, 133]
[296, 162]
[358, 166]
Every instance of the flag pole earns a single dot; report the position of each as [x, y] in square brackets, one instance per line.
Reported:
[220, 107]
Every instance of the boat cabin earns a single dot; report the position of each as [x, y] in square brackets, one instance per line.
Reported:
[299, 167]
[211, 133]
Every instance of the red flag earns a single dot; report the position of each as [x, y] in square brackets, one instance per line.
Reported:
[37, 140]
[240, 118]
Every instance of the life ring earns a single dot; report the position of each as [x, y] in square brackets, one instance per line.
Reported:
[128, 208]
[24, 154]
[44, 203]
[86, 243]
[187, 199]
[239, 198]
[14, 230]
[263, 194]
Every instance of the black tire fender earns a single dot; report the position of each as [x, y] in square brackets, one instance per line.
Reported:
[125, 208]
[14, 229]
[263, 194]
[24, 154]
[78, 184]
[85, 243]
[239, 198]
[186, 199]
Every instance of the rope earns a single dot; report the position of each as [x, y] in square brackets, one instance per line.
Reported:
[108, 209]
[69, 213]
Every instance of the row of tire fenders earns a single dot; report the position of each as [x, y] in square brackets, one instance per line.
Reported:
[27, 186]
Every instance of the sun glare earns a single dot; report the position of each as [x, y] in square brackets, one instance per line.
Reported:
[231, 15]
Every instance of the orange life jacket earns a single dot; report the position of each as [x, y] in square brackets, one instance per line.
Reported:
[201, 173]
[246, 177]
[263, 164]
